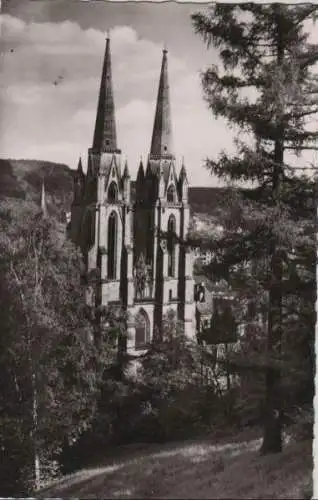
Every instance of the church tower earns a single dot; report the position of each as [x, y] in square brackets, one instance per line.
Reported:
[132, 242]
[105, 230]
[162, 218]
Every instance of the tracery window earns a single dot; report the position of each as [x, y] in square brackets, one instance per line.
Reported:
[112, 195]
[149, 238]
[112, 246]
[171, 246]
[171, 194]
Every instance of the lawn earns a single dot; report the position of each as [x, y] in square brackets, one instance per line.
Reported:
[196, 469]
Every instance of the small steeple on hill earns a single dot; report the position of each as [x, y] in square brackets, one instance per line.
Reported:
[22, 180]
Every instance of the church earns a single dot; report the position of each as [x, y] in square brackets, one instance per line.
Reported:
[126, 230]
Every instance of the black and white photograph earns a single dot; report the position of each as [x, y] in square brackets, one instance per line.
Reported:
[158, 260]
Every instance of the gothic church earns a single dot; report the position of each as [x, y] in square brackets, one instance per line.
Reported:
[119, 225]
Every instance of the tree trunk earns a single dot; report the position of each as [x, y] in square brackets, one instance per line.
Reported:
[33, 433]
[37, 469]
[36, 456]
[272, 431]
[272, 440]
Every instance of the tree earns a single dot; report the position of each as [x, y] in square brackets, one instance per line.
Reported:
[48, 361]
[169, 381]
[265, 87]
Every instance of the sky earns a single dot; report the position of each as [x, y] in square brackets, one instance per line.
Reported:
[52, 54]
[51, 61]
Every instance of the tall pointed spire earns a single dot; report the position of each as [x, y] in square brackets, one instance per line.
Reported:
[105, 138]
[161, 144]
[43, 200]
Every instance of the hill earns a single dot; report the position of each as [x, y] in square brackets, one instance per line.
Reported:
[22, 179]
[207, 200]
[199, 469]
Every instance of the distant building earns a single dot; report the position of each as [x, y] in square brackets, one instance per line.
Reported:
[206, 257]
[215, 322]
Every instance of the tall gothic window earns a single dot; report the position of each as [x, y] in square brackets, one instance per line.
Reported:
[170, 194]
[112, 193]
[142, 326]
[149, 237]
[171, 246]
[90, 228]
[112, 247]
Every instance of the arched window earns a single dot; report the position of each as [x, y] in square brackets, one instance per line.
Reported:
[112, 193]
[170, 194]
[112, 246]
[86, 232]
[142, 326]
[171, 245]
[149, 237]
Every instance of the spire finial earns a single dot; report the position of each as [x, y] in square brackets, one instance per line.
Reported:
[161, 144]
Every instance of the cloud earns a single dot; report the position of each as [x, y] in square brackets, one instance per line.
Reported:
[49, 89]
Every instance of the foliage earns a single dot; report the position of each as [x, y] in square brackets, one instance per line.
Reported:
[48, 361]
[166, 397]
[22, 179]
[266, 88]
[175, 397]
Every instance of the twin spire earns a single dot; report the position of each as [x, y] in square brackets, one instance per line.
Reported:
[161, 144]
[105, 137]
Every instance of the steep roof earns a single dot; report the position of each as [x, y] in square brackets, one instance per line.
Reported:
[161, 143]
[105, 137]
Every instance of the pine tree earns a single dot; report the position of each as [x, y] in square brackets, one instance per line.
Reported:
[266, 88]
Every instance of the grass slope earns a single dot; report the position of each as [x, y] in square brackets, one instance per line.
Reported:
[197, 469]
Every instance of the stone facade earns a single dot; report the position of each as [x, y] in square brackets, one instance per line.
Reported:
[132, 241]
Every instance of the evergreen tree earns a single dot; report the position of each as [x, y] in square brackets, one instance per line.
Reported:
[266, 88]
